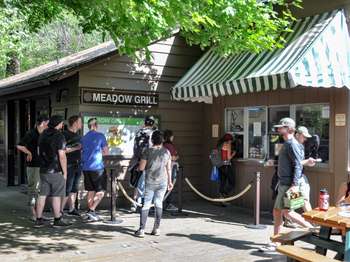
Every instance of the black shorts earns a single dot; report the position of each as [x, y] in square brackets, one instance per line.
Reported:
[73, 179]
[95, 180]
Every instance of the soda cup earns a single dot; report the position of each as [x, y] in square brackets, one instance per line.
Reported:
[323, 202]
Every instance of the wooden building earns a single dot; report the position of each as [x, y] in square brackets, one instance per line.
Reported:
[65, 87]
[308, 80]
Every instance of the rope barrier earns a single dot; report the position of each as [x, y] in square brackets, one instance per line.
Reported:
[121, 187]
[245, 190]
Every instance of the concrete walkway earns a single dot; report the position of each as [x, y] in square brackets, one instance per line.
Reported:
[208, 233]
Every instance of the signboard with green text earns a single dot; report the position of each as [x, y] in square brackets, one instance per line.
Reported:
[119, 131]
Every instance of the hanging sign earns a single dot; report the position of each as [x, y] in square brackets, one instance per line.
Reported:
[117, 97]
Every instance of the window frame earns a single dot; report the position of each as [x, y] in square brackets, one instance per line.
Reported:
[292, 114]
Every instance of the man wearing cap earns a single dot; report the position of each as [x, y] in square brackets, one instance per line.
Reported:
[142, 141]
[29, 146]
[289, 172]
[53, 170]
[301, 135]
[94, 145]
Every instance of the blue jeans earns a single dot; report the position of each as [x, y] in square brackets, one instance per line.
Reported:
[141, 187]
[154, 193]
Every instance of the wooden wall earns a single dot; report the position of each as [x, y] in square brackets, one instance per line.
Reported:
[329, 177]
[171, 59]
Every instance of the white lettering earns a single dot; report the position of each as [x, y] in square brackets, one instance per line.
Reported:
[103, 97]
[96, 97]
[121, 99]
[115, 99]
[137, 100]
[143, 100]
[109, 98]
[128, 99]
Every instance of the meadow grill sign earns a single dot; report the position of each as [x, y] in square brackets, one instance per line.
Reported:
[116, 97]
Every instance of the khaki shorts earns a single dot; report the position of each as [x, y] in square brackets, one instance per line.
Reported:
[33, 178]
[304, 188]
[279, 202]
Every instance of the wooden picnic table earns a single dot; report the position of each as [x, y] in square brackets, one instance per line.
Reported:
[327, 220]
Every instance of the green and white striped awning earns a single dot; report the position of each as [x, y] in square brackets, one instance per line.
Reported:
[317, 54]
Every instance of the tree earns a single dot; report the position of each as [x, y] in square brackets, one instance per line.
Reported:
[22, 49]
[228, 26]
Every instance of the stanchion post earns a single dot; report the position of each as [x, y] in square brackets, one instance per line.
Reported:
[113, 207]
[179, 189]
[257, 224]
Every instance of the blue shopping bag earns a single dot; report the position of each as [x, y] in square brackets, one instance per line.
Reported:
[214, 175]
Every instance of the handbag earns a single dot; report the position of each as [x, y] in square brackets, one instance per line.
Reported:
[135, 175]
[214, 175]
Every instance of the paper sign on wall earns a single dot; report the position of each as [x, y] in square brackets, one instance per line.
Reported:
[340, 119]
[257, 129]
[215, 131]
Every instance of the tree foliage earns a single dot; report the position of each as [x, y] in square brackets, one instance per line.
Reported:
[60, 37]
[229, 26]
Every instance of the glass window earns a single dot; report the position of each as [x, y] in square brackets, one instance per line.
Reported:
[274, 116]
[235, 120]
[257, 132]
[316, 119]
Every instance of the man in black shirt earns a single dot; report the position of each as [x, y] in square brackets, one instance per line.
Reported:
[73, 151]
[53, 170]
[29, 146]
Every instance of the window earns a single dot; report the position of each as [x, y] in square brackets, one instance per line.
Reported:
[252, 128]
[257, 132]
[316, 119]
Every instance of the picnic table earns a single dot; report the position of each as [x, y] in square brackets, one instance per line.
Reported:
[327, 220]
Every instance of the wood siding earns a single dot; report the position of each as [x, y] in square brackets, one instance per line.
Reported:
[329, 177]
[171, 59]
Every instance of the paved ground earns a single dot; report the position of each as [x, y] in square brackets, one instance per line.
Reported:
[208, 233]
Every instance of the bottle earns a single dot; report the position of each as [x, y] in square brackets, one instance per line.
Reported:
[323, 202]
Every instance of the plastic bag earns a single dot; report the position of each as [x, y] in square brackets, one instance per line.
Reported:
[214, 175]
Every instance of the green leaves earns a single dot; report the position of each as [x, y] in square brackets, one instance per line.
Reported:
[229, 26]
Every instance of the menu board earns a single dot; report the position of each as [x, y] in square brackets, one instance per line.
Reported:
[119, 132]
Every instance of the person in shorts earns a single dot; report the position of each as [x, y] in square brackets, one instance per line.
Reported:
[29, 146]
[156, 161]
[301, 135]
[73, 152]
[53, 170]
[94, 147]
[289, 174]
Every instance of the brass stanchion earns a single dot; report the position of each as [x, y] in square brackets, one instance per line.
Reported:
[257, 224]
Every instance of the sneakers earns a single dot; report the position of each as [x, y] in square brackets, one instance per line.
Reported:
[289, 224]
[140, 233]
[39, 223]
[74, 212]
[92, 216]
[155, 232]
[171, 207]
[60, 223]
[271, 247]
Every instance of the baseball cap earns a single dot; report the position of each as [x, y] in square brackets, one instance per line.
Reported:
[55, 120]
[303, 130]
[149, 120]
[285, 122]
[42, 118]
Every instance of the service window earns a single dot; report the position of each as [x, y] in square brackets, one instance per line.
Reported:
[257, 132]
[315, 117]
